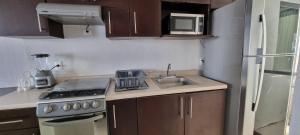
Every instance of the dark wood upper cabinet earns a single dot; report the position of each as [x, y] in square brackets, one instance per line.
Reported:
[122, 117]
[18, 18]
[161, 115]
[132, 18]
[199, 1]
[181, 1]
[214, 3]
[205, 113]
[220, 3]
[75, 1]
[115, 3]
[117, 22]
[146, 18]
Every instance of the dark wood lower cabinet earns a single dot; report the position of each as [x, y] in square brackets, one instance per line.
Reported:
[18, 119]
[161, 115]
[19, 122]
[31, 131]
[199, 113]
[122, 117]
[205, 112]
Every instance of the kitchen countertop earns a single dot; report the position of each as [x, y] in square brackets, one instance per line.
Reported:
[28, 99]
[24, 99]
[202, 84]
[4, 91]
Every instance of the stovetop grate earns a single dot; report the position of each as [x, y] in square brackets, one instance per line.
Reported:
[72, 94]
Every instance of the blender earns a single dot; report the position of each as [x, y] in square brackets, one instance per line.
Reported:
[43, 77]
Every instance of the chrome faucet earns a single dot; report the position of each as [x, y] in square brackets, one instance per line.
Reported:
[168, 70]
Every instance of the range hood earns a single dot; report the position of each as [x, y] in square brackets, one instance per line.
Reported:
[71, 14]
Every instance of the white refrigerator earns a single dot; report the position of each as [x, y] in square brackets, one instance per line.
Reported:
[262, 80]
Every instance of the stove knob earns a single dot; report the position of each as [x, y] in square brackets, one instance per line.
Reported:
[95, 104]
[67, 107]
[86, 105]
[76, 106]
[48, 109]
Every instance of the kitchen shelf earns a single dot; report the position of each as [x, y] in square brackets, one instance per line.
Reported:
[190, 36]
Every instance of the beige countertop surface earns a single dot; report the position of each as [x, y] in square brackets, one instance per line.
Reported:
[201, 84]
[16, 100]
[24, 99]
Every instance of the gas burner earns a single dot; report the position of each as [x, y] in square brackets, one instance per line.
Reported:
[74, 97]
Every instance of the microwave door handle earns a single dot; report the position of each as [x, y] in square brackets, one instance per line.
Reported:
[197, 25]
[51, 123]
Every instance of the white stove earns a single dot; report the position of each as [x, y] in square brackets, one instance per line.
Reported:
[71, 103]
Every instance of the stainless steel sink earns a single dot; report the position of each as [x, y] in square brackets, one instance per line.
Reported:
[172, 81]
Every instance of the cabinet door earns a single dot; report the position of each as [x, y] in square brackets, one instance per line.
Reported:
[146, 18]
[205, 113]
[32, 131]
[161, 115]
[117, 22]
[19, 18]
[18, 119]
[70, 1]
[115, 3]
[122, 117]
[219, 3]
[175, 1]
[199, 1]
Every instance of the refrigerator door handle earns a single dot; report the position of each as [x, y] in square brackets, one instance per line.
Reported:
[262, 51]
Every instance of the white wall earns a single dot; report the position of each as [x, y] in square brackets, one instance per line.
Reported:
[95, 55]
[223, 56]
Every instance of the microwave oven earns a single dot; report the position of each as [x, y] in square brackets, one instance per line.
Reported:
[184, 23]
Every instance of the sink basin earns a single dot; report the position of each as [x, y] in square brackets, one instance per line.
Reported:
[172, 81]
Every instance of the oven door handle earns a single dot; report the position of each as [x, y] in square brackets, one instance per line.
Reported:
[72, 120]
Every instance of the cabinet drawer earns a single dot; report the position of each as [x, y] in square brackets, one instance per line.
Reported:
[18, 119]
[32, 131]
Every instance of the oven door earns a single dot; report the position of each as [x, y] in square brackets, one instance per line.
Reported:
[90, 124]
[183, 23]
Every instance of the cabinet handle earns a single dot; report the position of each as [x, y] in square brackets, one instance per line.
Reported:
[109, 23]
[11, 122]
[135, 27]
[181, 107]
[114, 116]
[191, 107]
[39, 23]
